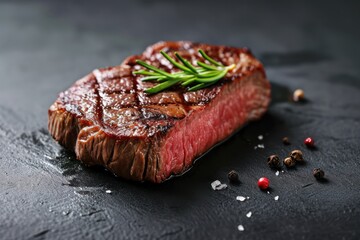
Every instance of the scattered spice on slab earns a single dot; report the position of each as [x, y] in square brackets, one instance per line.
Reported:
[108, 191]
[276, 198]
[318, 173]
[217, 185]
[259, 146]
[298, 95]
[263, 183]
[286, 141]
[274, 161]
[65, 213]
[221, 187]
[241, 228]
[309, 142]
[289, 162]
[241, 198]
[233, 176]
[297, 155]
[249, 214]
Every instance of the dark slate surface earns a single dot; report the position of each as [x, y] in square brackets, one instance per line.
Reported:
[45, 194]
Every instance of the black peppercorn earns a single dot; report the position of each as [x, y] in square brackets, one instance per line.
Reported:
[273, 161]
[233, 176]
[297, 155]
[318, 173]
[289, 162]
[286, 141]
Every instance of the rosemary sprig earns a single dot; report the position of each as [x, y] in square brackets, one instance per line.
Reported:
[192, 77]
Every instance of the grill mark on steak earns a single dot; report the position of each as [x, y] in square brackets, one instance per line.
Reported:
[99, 109]
[150, 137]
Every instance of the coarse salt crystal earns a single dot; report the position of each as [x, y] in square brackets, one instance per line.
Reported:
[268, 192]
[261, 146]
[260, 137]
[276, 198]
[221, 187]
[277, 173]
[241, 228]
[240, 198]
[217, 185]
[249, 214]
[108, 191]
[248, 197]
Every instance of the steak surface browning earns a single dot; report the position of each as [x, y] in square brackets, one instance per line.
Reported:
[108, 119]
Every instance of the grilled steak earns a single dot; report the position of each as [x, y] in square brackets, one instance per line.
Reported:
[108, 119]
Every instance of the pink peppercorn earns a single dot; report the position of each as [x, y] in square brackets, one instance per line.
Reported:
[309, 142]
[263, 183]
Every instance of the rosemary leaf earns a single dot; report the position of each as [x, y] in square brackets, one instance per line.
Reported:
[175, 63]
[160, 87]
[208, 67]
[204, 55]
[144, 64]
[200, 86]
[151, 78]
[192, 77]
[213, 78]
[186, 63]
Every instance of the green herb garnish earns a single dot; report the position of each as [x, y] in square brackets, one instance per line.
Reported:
[194, 78]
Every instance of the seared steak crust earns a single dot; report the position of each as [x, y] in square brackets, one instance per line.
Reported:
[108, 119]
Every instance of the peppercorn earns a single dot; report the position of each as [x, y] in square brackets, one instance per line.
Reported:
[289, 162]
[273, 161]
[298, 95]
[318, 173]
[286, 141]
[233, 176]
[263, 183]
[309, 142]
[297, 155]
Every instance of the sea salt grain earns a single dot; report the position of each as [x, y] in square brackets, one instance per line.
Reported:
[277, 173]
[221, 187]
[108, 191]
[217, 185]
[240, 198]
[276, 198]
[241, 228]
[249, 214]
[260, 137]
[268, 192]
[259, 146]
